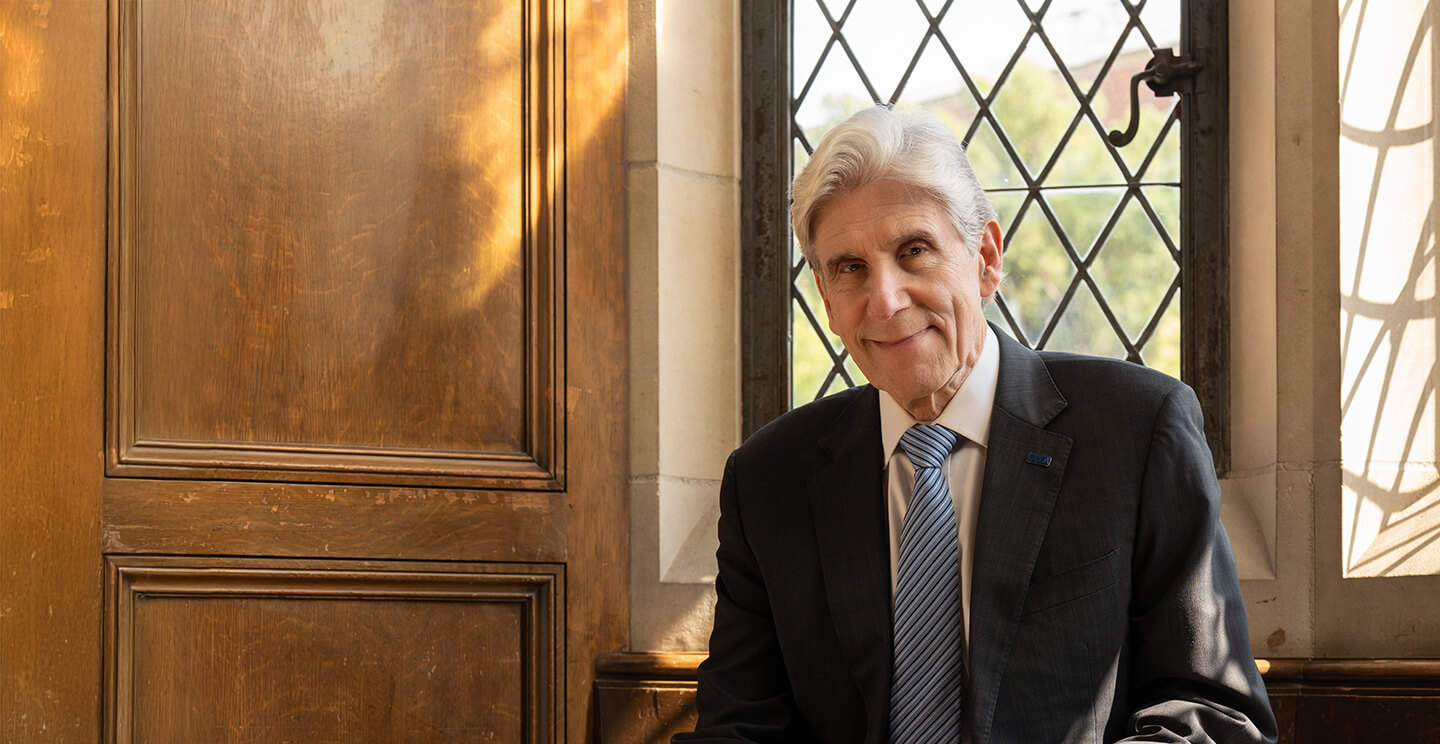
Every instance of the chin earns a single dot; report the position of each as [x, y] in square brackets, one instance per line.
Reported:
[906, 393]
[916, 385]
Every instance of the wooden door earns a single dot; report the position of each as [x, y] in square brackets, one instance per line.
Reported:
[312, 369]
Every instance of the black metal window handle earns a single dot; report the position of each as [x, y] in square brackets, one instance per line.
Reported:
[1166, 73]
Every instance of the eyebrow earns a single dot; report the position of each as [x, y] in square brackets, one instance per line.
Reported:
[924, 235]
[902, 239]
[837, 260]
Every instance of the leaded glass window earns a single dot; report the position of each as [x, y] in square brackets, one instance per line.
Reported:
[1032, 88]
[1098, 237]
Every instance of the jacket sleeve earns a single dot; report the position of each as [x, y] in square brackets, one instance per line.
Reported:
[744, 693]
[1193, 678]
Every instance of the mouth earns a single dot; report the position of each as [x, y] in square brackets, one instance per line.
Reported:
[899, 342]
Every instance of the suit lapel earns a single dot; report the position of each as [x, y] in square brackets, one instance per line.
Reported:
[1017, 498]
[848, 505]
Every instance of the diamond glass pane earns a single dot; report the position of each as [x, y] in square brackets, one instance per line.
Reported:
[1038, 273]
[1134, 269]
[1163, 349]
[1033, 105]
[1161, 19]
[808, 362]
[990, 160]
[984, 57]
[936, 82]
[1165, 200]
[809, 37]
[1007, 206]
[1164, 165]
[995, 313]
[814, 351]
[1087, 161]
[836, 93]
[1084, 213]
[836, 8]
[885, 58]
[856, 376]
[1084, 33]
[1084, 325]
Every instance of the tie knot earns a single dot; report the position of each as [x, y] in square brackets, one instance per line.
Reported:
[927, 444]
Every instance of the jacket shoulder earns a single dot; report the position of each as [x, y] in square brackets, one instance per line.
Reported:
[1080, 377]
[807, 424]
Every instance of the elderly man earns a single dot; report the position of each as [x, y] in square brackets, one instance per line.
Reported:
[985, 544]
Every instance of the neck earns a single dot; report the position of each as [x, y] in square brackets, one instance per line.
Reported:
[928, 408]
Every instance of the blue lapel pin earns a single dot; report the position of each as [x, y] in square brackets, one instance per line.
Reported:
[1035, 458]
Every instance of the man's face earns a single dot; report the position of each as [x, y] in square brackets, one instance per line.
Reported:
[903, 291]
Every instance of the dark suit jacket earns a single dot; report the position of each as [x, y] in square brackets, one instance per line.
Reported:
[1104, 599]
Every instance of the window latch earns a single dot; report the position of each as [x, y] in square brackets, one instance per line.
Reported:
[1167, 74]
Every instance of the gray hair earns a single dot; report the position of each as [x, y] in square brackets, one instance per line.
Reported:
[881, 143]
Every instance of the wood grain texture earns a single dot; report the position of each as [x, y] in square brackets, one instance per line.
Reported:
[264, 651]
[241, 177]
[52, 236]
[645, 697]
[1352, 672]
[597, 368]
[335, 253]
[1330, 701]
[670, 666]
[644, 712]
[1343, 719]
[208, 518]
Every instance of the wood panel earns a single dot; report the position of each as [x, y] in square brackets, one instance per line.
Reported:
[597, 371]
[647, 697]
[208, 518]
[52, 283]
[1336, 701]
[192, 264]
[643, 711]
[335, 253]
[254, 651]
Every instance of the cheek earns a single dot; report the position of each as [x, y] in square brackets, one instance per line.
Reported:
[963, 313]
[842, 317]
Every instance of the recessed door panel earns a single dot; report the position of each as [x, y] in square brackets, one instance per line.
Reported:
[335, 253]
[256, 651]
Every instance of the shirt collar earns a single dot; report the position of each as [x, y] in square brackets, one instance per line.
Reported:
[967, 414]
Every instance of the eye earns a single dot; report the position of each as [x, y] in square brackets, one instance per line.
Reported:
[851, 267]
[914, 249]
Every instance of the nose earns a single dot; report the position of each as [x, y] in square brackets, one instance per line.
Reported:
[888, 292]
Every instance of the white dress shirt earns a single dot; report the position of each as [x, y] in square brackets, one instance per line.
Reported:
[967, 414]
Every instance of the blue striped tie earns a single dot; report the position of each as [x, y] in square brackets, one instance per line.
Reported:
[925, 698]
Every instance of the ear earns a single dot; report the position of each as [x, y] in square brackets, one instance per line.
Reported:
[991, 258]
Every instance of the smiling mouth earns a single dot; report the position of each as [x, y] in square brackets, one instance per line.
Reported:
[897, 342]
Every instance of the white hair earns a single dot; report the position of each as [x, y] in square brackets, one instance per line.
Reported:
[878, 143]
